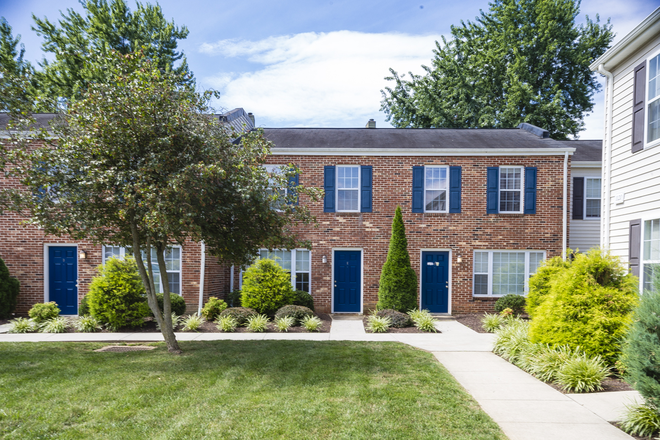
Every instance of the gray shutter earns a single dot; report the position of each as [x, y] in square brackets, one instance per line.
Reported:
[639, 95]
[634, 245]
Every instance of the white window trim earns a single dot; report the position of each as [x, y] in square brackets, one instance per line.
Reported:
[490, 269]
[446, 210]
[647, 102]
[584, 207]
[294, 252]
[642, 262]
[522, 190]
[359, 198]
[122, 254]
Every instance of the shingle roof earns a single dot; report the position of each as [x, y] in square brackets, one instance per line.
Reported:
[586, 150]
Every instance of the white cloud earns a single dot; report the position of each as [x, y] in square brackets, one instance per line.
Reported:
[317, 79]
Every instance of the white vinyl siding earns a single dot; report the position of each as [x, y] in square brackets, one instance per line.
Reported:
[498, 273]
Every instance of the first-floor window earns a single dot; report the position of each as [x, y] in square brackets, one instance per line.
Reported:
[172, 264]
[296, 262]
[499, 273]
[651, 253]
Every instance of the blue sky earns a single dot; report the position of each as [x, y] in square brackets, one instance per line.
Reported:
[314, 63]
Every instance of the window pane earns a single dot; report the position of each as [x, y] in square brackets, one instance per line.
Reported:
[175, 282]
[436, 178]
[481, 262]
[593, 188]
[535, 259]
[347, 200]
[173, 259]
[654, 120]
[508, 273]
[480, 284]
[347, 177]
[302, 261]
[652, 240]
[111, 251]
[436, 200]
[593, 208]
[302, 282]
[283, 258]
[650, 272]
[510, 201]
[654, 77]
[509, 178]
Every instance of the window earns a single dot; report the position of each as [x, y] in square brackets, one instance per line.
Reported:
[498, 273]
[435, 189]
[650, 253]
[348, 188]
[296, 262]
[273, 188]
[172, 264]
[592, 198]
[510, 189]
[653, 102]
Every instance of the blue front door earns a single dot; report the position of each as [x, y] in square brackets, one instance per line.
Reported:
[435, 281]
[63, 278]
[348, 281]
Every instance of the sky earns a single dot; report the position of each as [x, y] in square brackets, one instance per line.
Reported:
[315, 63]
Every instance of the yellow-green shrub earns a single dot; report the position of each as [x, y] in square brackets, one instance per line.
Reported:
[539, 283]
[266, 287]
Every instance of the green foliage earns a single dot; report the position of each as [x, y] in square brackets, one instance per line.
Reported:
[234, 298]
[18, 86]
[641, 349]
[378, 324]
[398, 281]
[312, 323]
[298, 313]
[192, 323]
[641, 420]
[284, 323]
[9, 288]
[176, 321]
[227, 323]
[257, 323]
[589, 306]
[83, 308]
[582, 374]
[213, 308]
[40, 313]
[397, 319]
[511, 301]
[116, 294]
[491, 322]
[87, 324]
[512, 340]
[178, 304]
[22, 325]
[423, 320]
[54, 325]
[302, 298]
[539, 283]
[266, 287]
[546, 362]
[240, 314]
[521, 61]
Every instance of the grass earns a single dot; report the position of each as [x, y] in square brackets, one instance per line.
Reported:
[234, 390]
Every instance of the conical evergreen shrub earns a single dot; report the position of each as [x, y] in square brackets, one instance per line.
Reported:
[398, 280]
[9, 288]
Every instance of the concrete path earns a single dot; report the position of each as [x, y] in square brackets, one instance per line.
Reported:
[524, 407]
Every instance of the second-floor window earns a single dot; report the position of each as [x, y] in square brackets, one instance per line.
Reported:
[348, 188]
[435, 189]
[653, 126]
[586, 198]
[511, 189]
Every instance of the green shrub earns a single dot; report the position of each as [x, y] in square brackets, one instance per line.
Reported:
[539, 283]
[83, 309]
[176, 301]
[234, 298]
[213, 308]
[490, 322]
[512, 340]
[87, 324]
[298, 313]
[240, 314]
[54, 325]
[116, 296]
[582, 373]
[546, 362]
[302, 298]
[378, 324]
[416, 314]
[397, 319]
[9, 288]
[22, 325]
[641, 420]
[589, 305]
[40, 313]
[312, 323]
[284, 323]
[227, 323]
[257, 323]
[398, 281]
[425, 321]
[511, 301]
[266, 287]
[192, 323]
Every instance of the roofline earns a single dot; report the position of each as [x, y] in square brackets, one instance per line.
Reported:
[283, 151]
[586, 163]
[640, 35]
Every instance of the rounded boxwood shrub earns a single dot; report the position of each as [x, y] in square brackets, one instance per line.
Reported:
[176, 301]
[298, 313]
[116, 296]
[213, 308]
[266, 287]
[240, 314]
[302, 298]
[511, 301]
[539, 283]
[589, 305]
[40, 313]
[9, 288]
[397, 319]
[398, 281]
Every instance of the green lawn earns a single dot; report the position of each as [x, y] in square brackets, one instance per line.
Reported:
[234, 390]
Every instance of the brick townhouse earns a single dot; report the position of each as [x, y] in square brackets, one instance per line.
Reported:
[482, 209]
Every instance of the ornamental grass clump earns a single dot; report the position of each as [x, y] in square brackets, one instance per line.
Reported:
[87, 324]
[192, 323]
[546, 362]
[298, 313]
[284, 323]
[582, 373]
[378, 324]
[240, 314]
[641, 420]
[512, 339]
[257, 323]
[22, 325]
[54, 325]
[423, 320]
[227, 323]
[491, 322]
[312, 323]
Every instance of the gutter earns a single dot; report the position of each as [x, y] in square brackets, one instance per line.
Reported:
[564, 240]
[202, 271]
[607, 161]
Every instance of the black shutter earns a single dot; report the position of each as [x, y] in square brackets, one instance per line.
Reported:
[634, 245]
[639, 95]
[578, 198]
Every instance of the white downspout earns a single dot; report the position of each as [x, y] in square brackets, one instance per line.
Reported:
[607, 161]
[202, 270]
[565, 208]
[231, 278]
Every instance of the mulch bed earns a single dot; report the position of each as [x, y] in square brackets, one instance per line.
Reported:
[472, 320]
[4, 321]
[412, 329]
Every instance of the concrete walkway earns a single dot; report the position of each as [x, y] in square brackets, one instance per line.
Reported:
[524, 407]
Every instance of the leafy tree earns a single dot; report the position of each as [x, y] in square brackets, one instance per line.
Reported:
[105, 27]
[522, 61]
[139, 162]
[398, 281]
[16, 74]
